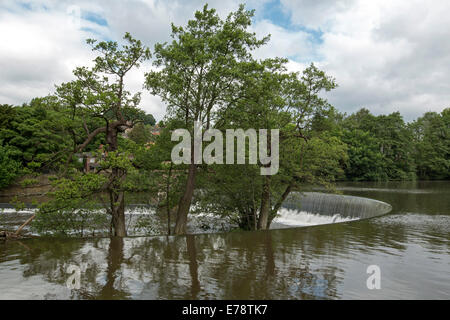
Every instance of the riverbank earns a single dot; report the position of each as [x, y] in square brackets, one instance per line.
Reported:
[27, 189]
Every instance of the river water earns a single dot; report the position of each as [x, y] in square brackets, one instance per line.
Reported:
[410, 246]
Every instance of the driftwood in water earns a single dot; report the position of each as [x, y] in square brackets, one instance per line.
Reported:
[24, 224]
[5, 235]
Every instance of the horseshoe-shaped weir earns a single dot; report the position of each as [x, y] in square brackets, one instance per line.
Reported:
[313, 208]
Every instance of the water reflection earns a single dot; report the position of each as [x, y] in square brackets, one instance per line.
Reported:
[322, 262]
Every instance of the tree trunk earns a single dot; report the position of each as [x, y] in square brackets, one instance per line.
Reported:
[185, 201]
[247, 219]
[118, 216]
[277, 207]
[265, 205]
[117, 197]
[168, 198]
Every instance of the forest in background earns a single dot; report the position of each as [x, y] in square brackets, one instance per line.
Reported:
[378, 148]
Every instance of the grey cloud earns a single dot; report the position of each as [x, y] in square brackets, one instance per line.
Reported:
[385, 56]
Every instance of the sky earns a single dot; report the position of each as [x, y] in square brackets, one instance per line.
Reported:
[386, 55]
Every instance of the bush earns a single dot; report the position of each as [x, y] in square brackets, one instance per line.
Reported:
[9, 168]
[72, 222]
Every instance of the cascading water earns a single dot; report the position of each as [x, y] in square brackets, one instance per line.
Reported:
[313, 208]
[299, 209]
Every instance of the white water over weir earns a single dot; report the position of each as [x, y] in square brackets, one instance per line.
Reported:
[313, 208]
[298, 210]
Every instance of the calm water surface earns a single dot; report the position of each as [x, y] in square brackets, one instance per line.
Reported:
[411, 246]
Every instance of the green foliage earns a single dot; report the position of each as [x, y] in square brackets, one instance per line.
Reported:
[7, 115]
[73, 209]
[200, 69]
[9, 168]
[35, 132]
[323, 157]
[432, 145]
[99, 93]
[365, 162]
[141, 134]
[148, 119]
[380, 147]
[81, 221]
[29, 182]
[290, 103]
[206, 73]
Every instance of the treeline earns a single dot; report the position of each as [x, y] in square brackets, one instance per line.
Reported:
[207, 74]
[37, 137]
[378, 148]
[386, 148]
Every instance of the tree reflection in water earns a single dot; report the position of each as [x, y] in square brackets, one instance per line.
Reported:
[237, 266]
[322, 262]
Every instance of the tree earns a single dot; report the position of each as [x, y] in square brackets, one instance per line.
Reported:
[99, 92]
[303, 102]
[365, 160]
[36, 132]
[148, 119]
[140, 133]
[381, 147]
[261, 107]
[431, 134]
[168, 179]
[7, 115]
[199, 76]
[274, 100]
[9, 168]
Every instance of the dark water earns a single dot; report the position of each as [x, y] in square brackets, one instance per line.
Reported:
[411, 246]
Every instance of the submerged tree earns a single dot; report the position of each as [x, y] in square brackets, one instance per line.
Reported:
[199, 76]
[308, 153]
[99, 92]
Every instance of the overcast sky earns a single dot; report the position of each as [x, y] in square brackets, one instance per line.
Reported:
[387, 56]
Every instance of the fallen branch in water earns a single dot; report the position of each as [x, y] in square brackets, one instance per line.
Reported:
[24, 224]
[6, 235]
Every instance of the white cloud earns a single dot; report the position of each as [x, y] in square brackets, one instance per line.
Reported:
[385, 55]
[283, 43]
[31, 55]
[43, 41]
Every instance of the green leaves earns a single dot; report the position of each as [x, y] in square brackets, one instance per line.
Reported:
[380, 147]
[112, 60]
[199, 71]
[99, 91]
[36, 132]
[432, 145]
[9, 168]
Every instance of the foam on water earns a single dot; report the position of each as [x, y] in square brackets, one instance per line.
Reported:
[296, 218]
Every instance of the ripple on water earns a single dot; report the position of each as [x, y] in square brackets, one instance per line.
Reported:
[417, 220]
